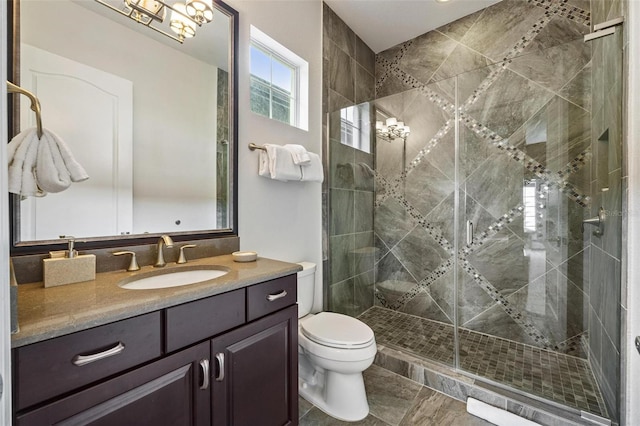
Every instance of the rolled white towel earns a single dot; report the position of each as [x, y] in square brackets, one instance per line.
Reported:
[41, 165]
[51, 173]
[76, 171]
[313, 172]
[281, 165]
[22, 153]
[299, 154]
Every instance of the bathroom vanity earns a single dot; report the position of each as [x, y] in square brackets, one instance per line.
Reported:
[222, 352]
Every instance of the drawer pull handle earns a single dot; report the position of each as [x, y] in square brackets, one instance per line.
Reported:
[204, 364]
[80, 360]
[280, 295]
[220, 359]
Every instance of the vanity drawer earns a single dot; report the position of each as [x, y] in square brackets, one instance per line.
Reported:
[199, 320]
[53, 367]
[271, 296]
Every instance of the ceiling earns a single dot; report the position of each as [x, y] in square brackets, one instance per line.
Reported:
[382, 24]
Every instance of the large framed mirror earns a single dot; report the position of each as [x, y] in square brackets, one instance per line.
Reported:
[150, 117]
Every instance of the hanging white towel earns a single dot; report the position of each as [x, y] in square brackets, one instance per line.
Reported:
[263, 164]
[38, 166]
[299, 154]
[281, 165]
[313, 172]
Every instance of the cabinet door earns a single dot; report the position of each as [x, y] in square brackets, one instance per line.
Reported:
[172, 391]
[255, 373]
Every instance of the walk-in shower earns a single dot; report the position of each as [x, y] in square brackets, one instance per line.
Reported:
[489, 239]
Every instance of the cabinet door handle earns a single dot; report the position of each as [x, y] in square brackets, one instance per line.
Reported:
[80, 360]
[204, 365]
[277, 296]
[220, 360]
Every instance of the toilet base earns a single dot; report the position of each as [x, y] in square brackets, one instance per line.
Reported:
[341, 396]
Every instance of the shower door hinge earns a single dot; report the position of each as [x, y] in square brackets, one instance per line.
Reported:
[604, 29]
[638, 343]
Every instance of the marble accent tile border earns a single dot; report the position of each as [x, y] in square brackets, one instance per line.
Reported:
[553, 8]
[572, 12]
[437, 273]
[529, 163]
[576, 164]
[422, 350]
[517, 317]
[386, 64]
[492, 230]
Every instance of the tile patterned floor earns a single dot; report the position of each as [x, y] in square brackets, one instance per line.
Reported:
[558, 377]
[397, 401]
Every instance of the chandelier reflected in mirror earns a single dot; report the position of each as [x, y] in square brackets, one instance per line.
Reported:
[183, 22]
[392, 129]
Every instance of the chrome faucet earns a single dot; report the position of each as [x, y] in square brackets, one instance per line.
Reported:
[164, 240]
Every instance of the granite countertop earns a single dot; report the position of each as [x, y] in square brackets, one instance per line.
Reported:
[44, 313]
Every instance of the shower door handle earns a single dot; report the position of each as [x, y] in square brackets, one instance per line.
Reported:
[469, 232]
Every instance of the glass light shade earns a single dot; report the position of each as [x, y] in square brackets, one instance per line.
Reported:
[400, 124]
[180, 24]
[200, 10]
[407, 130]
[378, 125]
[392, 121]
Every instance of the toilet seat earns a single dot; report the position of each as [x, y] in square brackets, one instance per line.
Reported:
[337, 331]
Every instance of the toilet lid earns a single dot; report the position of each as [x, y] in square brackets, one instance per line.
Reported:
[337, 330]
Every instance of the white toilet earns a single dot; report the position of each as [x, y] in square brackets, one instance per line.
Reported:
[333, 351]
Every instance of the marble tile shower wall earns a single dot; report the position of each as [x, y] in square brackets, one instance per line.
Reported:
[604, 308]
[348, 70]
[522, 75]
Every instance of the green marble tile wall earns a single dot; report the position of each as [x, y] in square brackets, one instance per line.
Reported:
[605, 265]
[523, 94]
[348, 70]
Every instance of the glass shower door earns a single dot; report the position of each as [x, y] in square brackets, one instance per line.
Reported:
[525, 145]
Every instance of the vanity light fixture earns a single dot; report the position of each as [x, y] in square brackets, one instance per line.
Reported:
[185, 17]
[392, 129]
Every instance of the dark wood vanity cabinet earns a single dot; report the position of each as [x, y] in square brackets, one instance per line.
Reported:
[229, 359]
[255, 373]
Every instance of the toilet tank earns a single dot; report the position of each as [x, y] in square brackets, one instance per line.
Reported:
[306, 287]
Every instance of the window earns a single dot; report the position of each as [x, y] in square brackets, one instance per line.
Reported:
[354, 127]
[279, 81]
[529, 199]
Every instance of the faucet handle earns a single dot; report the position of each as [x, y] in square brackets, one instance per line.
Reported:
[133, 266]
[182, 258]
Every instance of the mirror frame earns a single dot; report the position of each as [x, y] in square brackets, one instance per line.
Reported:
[35, 247]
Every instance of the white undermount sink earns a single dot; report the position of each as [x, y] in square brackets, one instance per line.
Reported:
[172, 278]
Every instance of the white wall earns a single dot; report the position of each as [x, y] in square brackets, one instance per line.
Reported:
[281, 220]
[631, 358]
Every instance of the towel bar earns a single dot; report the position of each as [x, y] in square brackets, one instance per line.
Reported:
[253, 147]
[35, 103]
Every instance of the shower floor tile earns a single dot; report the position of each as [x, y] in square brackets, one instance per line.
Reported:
[555, 376]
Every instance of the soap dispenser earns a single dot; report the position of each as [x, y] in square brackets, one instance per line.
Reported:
[67, 266]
